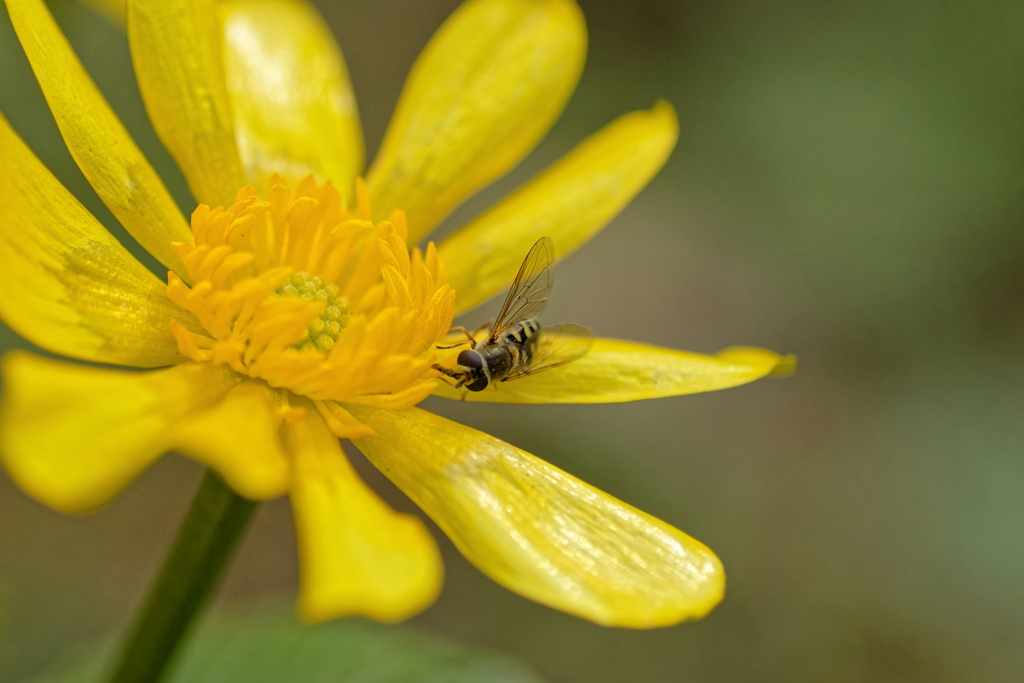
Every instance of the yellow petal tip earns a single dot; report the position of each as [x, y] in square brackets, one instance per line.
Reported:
[406, 600]
[770, 362]
[773, 363]
[664, 109]
[786, 367]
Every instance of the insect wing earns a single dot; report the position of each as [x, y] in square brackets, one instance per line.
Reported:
[556, 345]
[529, 294]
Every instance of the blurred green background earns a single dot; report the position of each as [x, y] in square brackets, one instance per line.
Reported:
[847, 187]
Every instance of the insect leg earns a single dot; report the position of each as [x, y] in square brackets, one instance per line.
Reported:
[483, 327]
[471, 341]
[455, 346]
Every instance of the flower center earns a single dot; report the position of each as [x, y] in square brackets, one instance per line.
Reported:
[323, 331]
[308, 296]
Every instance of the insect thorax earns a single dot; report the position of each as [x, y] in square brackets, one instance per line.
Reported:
[513, 349]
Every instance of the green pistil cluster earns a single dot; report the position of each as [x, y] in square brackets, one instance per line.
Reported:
[323, 332]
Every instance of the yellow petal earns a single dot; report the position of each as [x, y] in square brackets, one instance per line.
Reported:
[97, 140]
[72, 436]
[569, 202]
[357, 556]
[615, 371]
[69, 286]
[239, 438]
[176, 50]
[486, 88]
[295, 113]
[539, 531]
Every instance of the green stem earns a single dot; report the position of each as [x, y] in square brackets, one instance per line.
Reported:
[190, 573]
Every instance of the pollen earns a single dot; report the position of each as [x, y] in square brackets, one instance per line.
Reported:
[323, 331]
[301, 292]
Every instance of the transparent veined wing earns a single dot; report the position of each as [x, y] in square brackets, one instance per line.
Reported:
[556, 345]
[529, 294]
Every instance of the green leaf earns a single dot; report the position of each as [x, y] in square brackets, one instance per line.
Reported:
[271, 646]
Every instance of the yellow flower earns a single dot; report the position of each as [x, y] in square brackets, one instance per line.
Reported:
[296, 313]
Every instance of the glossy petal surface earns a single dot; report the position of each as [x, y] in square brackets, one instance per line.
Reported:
[616, 371]
[73, 436]
[176, 50]
[69, 286]
[295, 112]
[539, 531]
[570, 202]
[97, 140]
[357, 555]
[486, 88]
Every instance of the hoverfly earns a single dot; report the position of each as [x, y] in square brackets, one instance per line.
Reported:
[517, 345]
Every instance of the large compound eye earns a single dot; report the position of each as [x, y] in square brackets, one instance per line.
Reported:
[470, 359]
[479, 384]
